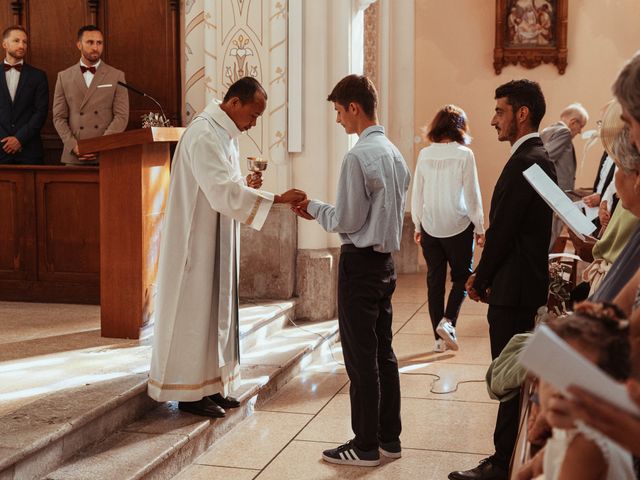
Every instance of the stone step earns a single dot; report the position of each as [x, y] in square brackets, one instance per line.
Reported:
[110, 393]
[165, 440]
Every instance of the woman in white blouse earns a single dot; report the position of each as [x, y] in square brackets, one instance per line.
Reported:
[447, 211]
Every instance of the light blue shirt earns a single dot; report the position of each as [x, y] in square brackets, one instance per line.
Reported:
[372, 191]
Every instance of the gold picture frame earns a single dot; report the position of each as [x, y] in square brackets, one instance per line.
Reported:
[531, 32]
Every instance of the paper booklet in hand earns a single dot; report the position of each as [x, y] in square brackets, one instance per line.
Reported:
[559, 202]
[552, 359]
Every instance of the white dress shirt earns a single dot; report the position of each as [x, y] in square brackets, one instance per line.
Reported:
[88, 76]
[446, 194]
[13, 77]
[523, 139]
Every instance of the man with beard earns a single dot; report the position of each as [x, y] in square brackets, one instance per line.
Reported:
[88, 102]
[512, 275]
[24, 99]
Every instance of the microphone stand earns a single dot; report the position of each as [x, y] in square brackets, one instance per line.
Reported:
[140, 92]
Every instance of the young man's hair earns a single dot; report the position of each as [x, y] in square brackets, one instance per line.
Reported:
[524, 93]
[356, 89]
[627, 87]
[245, 90]
[7, 31]
[87, 28]
[450, 123]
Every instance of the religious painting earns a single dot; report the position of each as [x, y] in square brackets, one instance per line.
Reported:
[531, 32]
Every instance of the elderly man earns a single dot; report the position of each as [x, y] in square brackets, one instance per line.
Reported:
[557, 139]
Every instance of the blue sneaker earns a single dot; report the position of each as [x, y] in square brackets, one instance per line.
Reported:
[391, 449]
[349, 454]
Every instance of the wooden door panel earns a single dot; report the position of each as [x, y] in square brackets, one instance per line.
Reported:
[68, 226]
[17, 225]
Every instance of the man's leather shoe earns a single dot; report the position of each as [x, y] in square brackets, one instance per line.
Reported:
[486, 470]
[224, 402]
[205, 407]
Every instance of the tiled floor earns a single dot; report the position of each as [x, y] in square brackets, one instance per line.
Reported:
[447, 415]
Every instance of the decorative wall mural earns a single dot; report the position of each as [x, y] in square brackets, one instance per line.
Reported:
[228, 39]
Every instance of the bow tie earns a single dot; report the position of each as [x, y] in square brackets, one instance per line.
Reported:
[17, 66]
[88, 69]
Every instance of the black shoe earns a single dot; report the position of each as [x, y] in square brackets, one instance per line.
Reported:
[204, 407]
[487, 469]
[224, 402]
[349, 454]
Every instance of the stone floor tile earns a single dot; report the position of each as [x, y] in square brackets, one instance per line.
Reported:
[428, 424]
[416, 348]
[306, 393]
[302, 460]
[207, 472]
[255, 441]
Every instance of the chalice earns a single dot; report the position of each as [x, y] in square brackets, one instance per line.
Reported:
[256, 164]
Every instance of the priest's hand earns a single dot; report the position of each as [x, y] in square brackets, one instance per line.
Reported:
[293, 197]
[254, 180]
[301, 210]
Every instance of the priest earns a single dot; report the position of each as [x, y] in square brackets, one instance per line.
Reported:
[195, 357]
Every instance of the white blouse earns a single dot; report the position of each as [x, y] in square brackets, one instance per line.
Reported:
[446, 194]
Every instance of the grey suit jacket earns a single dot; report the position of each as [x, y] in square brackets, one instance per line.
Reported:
[80, 112]
[557, 141]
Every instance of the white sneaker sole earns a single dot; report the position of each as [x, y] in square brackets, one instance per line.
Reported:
[357, 463]
[448, 339]
[390, 454]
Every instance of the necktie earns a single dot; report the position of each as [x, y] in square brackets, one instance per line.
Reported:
[17, 66]
[88, 69]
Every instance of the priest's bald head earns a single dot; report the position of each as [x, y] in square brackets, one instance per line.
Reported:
[244, 102]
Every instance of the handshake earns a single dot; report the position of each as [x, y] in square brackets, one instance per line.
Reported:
[297, 200]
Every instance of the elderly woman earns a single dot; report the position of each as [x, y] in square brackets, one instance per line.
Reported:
[447, 210]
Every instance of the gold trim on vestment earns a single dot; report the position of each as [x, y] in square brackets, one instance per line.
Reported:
[254, 211]
[186, 386]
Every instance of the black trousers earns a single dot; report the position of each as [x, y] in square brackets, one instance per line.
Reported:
[366, 282]
[504, 323]
[457, 252]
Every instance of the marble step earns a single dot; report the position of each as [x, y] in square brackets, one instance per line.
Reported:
[165, 440]
[71, 412]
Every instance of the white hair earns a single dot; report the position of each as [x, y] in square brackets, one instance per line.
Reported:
[577, 111]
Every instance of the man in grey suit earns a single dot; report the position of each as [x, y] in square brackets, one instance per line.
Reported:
[88, 102]
[557, 139]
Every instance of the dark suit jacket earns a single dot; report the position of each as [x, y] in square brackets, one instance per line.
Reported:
[514, 263]
[24, 117]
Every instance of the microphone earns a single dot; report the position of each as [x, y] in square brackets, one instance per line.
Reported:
[140, 92]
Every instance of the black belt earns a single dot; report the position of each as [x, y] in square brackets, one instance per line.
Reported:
[351, 248]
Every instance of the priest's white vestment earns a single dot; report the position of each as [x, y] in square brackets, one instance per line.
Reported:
[195, 344]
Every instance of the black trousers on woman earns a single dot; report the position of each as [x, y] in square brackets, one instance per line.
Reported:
[457, 252]
[366, 282]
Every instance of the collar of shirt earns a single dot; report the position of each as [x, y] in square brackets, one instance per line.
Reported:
[523, 139]
[87, 66]
[369, 130]
[222, 119]
[21, 62]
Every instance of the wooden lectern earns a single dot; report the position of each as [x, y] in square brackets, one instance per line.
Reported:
[134, 183]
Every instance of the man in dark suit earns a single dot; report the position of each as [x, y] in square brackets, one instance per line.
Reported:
[24, 100]
[512, 275]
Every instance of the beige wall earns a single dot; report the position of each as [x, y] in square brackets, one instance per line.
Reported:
[454, 43]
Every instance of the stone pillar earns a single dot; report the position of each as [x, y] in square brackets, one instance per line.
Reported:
[268, 257]
[317, 283]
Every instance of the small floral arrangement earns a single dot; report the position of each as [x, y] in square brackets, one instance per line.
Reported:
[152, 119]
